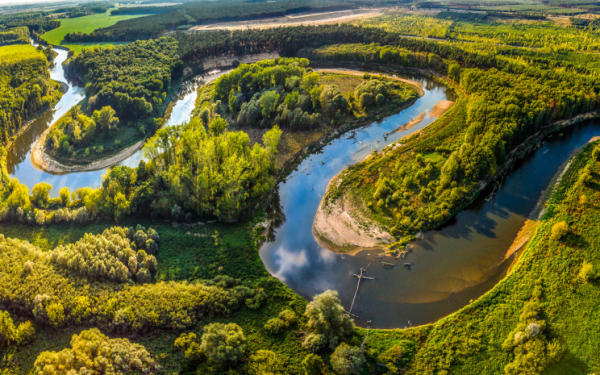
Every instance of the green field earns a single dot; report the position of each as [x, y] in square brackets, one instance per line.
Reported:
[18, 52]
[85, 24]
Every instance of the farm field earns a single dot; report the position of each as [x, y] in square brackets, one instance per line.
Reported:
[86, 24]
[18, 52]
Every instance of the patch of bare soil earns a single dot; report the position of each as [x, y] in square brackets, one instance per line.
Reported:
[527, 231]
[440, 108]
[409, 124]
[293, 20]
[336, 228]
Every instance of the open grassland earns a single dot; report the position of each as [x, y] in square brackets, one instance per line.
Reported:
[86, 24]
[17, 53]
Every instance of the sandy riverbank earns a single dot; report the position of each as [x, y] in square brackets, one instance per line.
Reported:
[341, 227]
[336, 228]
[46, 163]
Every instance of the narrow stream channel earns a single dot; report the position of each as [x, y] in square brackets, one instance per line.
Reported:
[452, 265]
[19, 157]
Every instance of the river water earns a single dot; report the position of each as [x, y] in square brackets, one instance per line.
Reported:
[451, 265]
[19, 157]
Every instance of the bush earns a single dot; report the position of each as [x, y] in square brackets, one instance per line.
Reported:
[106, 257]
[266, 362]
[190, 346]
[559, 230]
[284, 321]
[347, 360]
[91, 352]
[224, 343]
[10, 334]
[313, 365]
[587, 272]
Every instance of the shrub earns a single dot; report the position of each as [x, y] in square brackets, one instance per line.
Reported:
[266, 362]
[587, 272]
[285, 319]
[224, 343]
[313, 365]
[347, 360]
[10, 334]
[106, 257]
[91, 352]
[559, 230]
[190, 346]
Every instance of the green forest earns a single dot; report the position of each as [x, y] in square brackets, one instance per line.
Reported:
[159, 267]
[127, 88]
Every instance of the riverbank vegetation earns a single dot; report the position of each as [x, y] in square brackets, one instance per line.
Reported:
[25, 86]
[126, 88]
[304, 104]
[435, 173]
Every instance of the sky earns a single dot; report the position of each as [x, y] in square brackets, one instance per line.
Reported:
[21, 2]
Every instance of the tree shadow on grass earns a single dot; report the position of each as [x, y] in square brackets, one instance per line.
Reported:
[569, 364]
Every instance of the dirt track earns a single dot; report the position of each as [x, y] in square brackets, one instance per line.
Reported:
[294, 20]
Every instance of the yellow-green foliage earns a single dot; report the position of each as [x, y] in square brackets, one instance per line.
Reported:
[544, 289]
[559, 230]
[91, 352]
[402, 23]
[15, 35]
[31, 282]
[266, 362]
[13, 54]
[437, 171]
[107, 257]
[11, 334]
[225, 172]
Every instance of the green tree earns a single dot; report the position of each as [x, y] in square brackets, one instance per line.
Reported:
[313, 365]
[224, 343]
[105, 119]
[347, 360]
[65, 196]
[266, 362]
[559, 230]
[41, 193]
[268, 102]
[326, 318]
[19, 197]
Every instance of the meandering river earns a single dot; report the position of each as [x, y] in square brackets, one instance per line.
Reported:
[19, 156]
[449, 266]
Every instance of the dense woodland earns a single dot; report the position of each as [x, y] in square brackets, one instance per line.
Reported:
[288, 93]
[25, 87]
[126, 86]
[14, 35]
